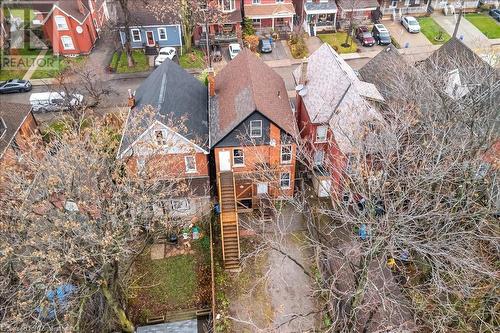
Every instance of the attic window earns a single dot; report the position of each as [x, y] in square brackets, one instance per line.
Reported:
[3, 128]
[160, 138]
[256, 128]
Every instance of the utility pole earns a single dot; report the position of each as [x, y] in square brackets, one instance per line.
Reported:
[460, 13]
[207, 40]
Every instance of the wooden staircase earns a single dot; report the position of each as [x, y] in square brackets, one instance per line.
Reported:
[229, 222]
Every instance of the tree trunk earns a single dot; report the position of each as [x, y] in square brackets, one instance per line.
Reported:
[125, 323]
[187, 30]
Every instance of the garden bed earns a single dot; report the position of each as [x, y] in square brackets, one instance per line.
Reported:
[174, 283]
[337, 39]
[432, 30]
[485, 23]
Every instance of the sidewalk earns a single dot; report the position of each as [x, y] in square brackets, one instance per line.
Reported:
[34, 65]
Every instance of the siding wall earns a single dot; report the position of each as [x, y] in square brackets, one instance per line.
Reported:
[173, 36]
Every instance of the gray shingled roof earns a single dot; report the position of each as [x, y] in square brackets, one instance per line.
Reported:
[173, 93]
[13, 115]
[347, 5]
[328, 77]
[320, 6]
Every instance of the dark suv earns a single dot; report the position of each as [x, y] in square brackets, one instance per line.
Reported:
[381, 34]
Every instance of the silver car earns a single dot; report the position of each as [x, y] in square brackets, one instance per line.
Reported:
[411, 24]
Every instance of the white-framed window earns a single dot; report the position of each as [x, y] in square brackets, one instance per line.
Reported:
[160, 138]
[190, 162]
[255, 2]
[136, 35]
[285, 180]
[256, 128]
[256, 21]
[394, 4]
[238, 157]
[262, 188]
[280, 1]
[162, 33]
[67, 43]
[228, 5]
[321, 132]
[286, 154]
[180, 205]
[61, 22]
[319, 156]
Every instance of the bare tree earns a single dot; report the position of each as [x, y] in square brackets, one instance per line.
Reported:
[73, 218]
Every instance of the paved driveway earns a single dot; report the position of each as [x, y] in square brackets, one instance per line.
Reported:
[399, 33]
[472, 37]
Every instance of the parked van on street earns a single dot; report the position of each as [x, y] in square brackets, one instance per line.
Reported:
[53, 101]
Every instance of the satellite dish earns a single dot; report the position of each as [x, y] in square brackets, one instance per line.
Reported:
[303, 92]
[299, 87]
[79, 29]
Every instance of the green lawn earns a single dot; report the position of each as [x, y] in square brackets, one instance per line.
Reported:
[337, 39]
[140, 60]
[26, 56]
[193, 59]
[431, 30]
[485, 23]
[51, 66]
[21, 13]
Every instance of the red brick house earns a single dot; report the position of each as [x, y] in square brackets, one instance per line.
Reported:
[227, 29]
[336, 116]
[252, 140]
[358, 10]
[72, 26]
[270, 15]
[166, 138]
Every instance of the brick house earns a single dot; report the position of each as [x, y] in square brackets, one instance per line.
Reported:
[17, 125]
[358, 10]
[270, 15]
[252, 131]
[166, 138]
[336, 115]
[227, 29]
[395, 9]
[72, 26]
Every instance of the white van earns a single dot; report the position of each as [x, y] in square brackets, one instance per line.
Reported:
[53, 101]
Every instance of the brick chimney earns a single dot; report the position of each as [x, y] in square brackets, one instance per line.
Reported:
[211, 82]
[131, 99]
[303, 72]
[81, 8]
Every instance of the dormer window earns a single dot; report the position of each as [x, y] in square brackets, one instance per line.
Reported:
[256, 128]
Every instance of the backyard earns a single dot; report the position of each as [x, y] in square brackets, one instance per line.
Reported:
[173, 282]
[485, 23]
[193, 59]
[433, 31]
[337, 39]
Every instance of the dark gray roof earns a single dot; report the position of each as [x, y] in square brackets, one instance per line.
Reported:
[324, 6]
[174, 94]
[184, 326]
[142, 15]
[13, 116]
[348, 5]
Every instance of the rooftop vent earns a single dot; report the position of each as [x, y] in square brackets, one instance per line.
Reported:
[3, 128]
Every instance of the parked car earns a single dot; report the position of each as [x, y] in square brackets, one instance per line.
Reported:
[15, 85]
[53, 101]
[234, 49]
[495, 13]
[411, 24]
[265, 46]
[165, 53]
[381, 34]
[364, 36]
